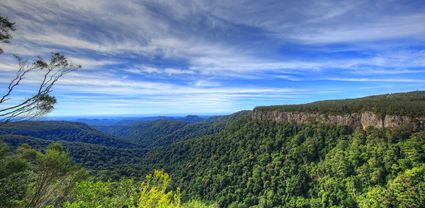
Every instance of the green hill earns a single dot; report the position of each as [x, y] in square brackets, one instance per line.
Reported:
[164, 131]
[61, 131]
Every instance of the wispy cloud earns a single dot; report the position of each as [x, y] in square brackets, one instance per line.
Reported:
[377, 80]
[210, 55]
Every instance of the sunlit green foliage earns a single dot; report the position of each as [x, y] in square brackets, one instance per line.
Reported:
[88, 194]
[153, 192]
[31, 178]
[408, 188]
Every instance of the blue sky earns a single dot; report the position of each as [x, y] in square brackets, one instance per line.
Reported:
[217, 57]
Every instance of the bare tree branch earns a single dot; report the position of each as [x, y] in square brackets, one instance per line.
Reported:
[40, 103]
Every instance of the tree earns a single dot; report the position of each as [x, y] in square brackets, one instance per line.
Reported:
[50, 71]
[103, 194]
[376, 197]
[41, 102]
[53, 169]
[409, 188]
[153, 192]
[14, 177]
[124, 193]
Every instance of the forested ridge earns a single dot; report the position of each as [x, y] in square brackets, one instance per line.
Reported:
[62, 131]
[409, 104]
[230, 161]
[163, 131]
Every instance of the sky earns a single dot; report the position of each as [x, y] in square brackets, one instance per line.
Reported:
[216, 57]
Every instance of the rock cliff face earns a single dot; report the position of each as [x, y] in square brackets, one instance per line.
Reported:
[355, 120]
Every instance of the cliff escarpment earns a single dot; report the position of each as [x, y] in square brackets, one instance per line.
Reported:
[382, 111]
[353, 120]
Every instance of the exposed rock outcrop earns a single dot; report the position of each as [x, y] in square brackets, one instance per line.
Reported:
[354, 120]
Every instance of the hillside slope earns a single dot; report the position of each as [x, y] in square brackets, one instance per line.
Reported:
[61, 131]
[165, 131]
[105, 162]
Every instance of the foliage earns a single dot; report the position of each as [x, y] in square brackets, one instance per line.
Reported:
[153, 192]
[87, 194]
[408, 188]
[31, 178]
[51, 168]
[103, 162]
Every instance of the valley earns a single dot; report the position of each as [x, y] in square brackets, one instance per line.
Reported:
[255, 158]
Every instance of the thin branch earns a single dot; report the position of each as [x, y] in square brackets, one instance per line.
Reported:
[41, 102]
[20, 75]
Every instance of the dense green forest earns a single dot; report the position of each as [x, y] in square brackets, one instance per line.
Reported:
[410, 104]
[49, 178]
[229, 161]
[288, 165]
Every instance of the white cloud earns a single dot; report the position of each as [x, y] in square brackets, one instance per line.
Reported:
[394, 80]
[185, 30]
[204, 43]
[206, 83]
[390, 27]
[92, 63]
[154, 70]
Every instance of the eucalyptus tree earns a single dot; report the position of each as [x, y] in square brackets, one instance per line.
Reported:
[40, 102]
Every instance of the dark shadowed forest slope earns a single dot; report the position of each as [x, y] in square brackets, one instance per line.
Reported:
[143, 132]
[164, 131]
[105, 162]
[102, 154]
[61, 131]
